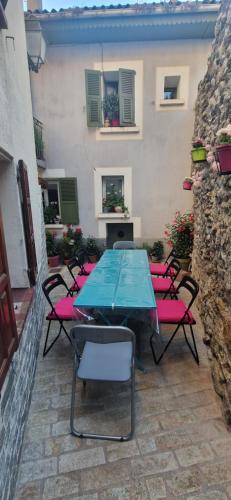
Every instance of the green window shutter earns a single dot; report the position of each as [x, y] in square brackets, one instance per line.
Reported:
[69, 201]
[127, 96]
[93, 97]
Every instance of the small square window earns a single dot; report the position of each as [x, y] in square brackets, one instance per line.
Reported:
[171, 87]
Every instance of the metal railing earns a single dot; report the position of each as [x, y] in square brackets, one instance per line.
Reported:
[38, 137]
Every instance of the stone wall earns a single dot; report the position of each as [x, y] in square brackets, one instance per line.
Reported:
[212, 251]
[16, 391]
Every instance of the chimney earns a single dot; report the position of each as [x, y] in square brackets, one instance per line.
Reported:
[34, 5]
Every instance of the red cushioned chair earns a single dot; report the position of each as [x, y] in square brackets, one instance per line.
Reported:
[166, 284]
[78, 280]
[85, 267]
[160, 269]
[177, 312]
[61, 311]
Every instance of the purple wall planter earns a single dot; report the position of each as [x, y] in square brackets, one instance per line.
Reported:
[224, 158]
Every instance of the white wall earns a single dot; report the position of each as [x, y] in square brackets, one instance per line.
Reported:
[160, 159]
[17, 138]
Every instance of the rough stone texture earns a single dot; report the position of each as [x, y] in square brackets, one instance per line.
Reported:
[181, 447]
[17, 389]
[212, 250]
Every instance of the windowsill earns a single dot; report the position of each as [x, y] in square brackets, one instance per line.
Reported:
[112, 215]
[172, 102]
[119, 130]
[54, 226]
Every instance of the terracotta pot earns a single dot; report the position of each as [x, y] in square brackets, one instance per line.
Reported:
[187, 185]
[224, 158]
[115, 122]
[66, 261]
[53, 261]
[93, 258]
[155, 259]
[184, 263]
[198, 154]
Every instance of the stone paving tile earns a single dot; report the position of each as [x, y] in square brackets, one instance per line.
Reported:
[194, 454]
[222, 447]
[39, 469]
[105, 476]
[81, 460]
[61, 486]
[32, 451]
[121, 450]
[137, 490]
[36, 433]
[55, 446]
[156, 488]
[210, 495]
[29, 491]
[153, 464]
[184, 482]
[217, 473]
[147, 444]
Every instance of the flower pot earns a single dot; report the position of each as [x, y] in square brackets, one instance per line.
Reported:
[66, 261]
[187, 185]
[93, 258]
[198, 154]
[53, 261]
[184, 263]
[224, 158]
[106, 210]
[106, 123]
[118, 209]
[155, 259]
[115, 122]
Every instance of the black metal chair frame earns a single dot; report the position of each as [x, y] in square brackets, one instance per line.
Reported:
[191, 285]
[48, 285]
[102, 335]
[72, 264]
[175, 264]
[124, 245]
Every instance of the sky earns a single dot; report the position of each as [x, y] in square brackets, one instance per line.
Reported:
[57, 4]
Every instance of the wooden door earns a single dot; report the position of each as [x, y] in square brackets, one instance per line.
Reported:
[27, 222]
[8, 330]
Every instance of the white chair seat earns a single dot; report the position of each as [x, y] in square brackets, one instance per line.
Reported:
[106, 361]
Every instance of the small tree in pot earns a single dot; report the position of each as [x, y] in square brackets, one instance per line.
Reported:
[52, 254]
[179, 236]
[157, 251]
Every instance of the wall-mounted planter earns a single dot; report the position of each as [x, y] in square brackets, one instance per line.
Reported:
[198, 154]
[187, 185]
[224, 158]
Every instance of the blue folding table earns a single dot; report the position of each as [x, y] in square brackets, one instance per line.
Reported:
[121, 282]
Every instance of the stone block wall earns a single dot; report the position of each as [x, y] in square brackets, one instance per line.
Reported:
[17, 388]
[212, 208]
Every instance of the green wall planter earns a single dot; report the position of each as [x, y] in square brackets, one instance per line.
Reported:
[198, 154]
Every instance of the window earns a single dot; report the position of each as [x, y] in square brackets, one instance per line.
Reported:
[110, 96]
[3, 21]
[172, 87]
[61, 198]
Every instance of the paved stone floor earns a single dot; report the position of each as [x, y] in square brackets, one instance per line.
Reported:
[181, 448]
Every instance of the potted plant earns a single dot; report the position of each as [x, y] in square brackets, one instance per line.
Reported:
[223, 149]
[198, 152]
[179, 236]
[92, 249]
[70, 244]
[157, 251]
[52, 254]
[111, 109]
[49, 214]
[187, 184]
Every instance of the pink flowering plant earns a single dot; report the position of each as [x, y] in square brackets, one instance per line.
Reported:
[224, 135]
[198, 143]
[179, 234]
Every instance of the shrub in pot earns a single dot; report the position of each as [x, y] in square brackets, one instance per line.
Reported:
[157, 251]
[223, 149]
[92, 250]
[198, 152]
[53, 257]
[111, 109]
[179, 236]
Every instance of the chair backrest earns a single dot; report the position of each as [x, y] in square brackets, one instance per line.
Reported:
[52, 282]
[100, 335]
[189, 284]
[72, 264]
[171, 254]
[80, 257]
[124, 245]
[173, 264]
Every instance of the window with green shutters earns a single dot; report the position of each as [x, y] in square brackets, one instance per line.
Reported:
[101, 84]
[61, 196]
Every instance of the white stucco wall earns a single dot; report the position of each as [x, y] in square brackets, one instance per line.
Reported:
[17, 138]
[160, 158]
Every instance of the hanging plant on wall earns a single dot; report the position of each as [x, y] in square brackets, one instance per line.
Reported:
[198, 152]
[223, 149]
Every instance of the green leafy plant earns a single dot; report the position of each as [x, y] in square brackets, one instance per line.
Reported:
[111, 106]
[51, 244]
[49, 214]
[224, 135]
[179, 234]
[157, 250]
[114, 199]
[71, 242]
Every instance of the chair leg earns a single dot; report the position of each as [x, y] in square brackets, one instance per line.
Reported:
[194, 349]
[165, 348]
[46, 350]
[75, 431]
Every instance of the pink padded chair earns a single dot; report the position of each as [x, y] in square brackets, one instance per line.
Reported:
[85, 267]
[177, 312]
[61, 311]
[161, 269]
[79, 280]
[166, 284]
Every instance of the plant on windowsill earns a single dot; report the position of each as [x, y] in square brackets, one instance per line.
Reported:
[52, 253]
[157, 251]
[179, 236]
[198, 152]
[111, 109]
[49, 215]
[223, 149]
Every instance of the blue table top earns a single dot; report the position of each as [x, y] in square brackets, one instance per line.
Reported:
[121, 279]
